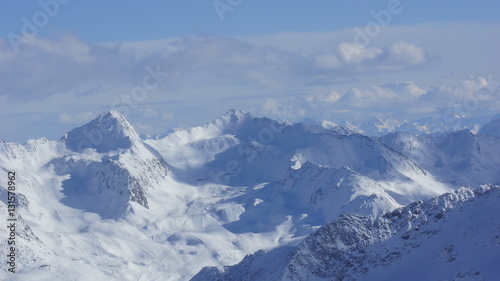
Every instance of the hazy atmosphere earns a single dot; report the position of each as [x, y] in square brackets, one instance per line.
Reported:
[174, 64]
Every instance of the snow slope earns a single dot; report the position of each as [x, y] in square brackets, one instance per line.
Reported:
[246, 151]
[451, 237]
[103, 204]
[332, 191]
[117, 167]
[460, 158]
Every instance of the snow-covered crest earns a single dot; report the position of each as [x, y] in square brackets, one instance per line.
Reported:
[109, 131]
[433, 240]
[145, 209]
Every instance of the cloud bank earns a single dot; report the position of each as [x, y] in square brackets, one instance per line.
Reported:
[68, 81]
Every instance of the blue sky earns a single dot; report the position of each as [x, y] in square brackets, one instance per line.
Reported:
[282, 59]
[119, 21]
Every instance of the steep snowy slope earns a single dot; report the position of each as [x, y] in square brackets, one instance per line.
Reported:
[452, 237]
[460, 158]
[341, 173]
[117, 167]
[331, 192]
[211, 151]
[102, 204]
[58, 183]
[109, 131]
[248, 151]
[307, 198]
[104, 211]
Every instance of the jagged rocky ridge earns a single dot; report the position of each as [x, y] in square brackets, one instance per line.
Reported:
[454, 236]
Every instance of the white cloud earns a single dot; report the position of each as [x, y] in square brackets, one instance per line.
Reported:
[272, 108]
[327, 61]
[46, 67]
[406, 89]
[413, 89]
[470, 87]
[405, 101]
[353, 53]
[308, 74]
[406, 53]
[167, 115]
[330, 97]
[374, 96]
[148, 112]
[357, 59]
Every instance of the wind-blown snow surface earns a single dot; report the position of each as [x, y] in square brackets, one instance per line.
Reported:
[102, 204]
[451, 237]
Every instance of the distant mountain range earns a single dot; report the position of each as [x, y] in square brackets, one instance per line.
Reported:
[378, 126]
[246, 198]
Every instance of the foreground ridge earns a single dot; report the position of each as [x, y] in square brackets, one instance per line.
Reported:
[451, 237]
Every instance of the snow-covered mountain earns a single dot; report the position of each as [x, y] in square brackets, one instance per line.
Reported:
[331, 191]
[118, 168]
[378, 126]
[238, 149]
[491, 128]
[461, 157]
[102, 203]
[451, 237]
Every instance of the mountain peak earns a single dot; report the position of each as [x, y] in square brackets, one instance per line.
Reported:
[492, 128]
[232, 119]
[233, 115]
[109, 131]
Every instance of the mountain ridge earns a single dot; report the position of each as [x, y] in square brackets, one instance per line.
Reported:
[122, 208]
[358, 247]
[109, 131]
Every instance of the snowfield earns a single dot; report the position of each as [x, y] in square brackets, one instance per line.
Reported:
[246, 198]
[451, 237]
